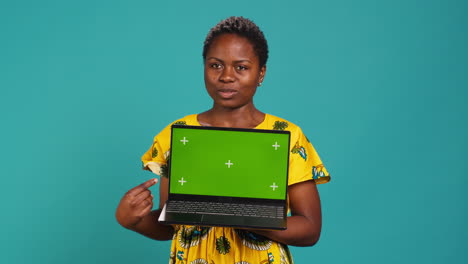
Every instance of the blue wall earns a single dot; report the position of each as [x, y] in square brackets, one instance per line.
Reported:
[378, 86]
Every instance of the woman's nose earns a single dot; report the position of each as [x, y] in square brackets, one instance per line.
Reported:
[227, 75]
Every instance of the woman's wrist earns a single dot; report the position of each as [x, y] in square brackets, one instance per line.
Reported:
[150, 227]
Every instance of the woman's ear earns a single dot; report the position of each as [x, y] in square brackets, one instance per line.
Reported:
[261, 75]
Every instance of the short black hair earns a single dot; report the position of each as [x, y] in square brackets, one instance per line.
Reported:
[243, 27]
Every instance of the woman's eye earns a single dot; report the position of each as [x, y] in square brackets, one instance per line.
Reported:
[241, 68]
[216, 65]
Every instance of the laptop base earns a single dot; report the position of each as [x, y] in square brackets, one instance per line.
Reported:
[222, 220]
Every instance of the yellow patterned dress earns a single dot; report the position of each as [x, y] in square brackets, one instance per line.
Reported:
[198, 245]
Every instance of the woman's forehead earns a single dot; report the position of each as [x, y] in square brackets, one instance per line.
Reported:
[231, 45]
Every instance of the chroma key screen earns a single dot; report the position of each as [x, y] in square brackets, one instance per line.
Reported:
[232, 163]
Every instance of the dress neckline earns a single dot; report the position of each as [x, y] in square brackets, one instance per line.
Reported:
[256, 127]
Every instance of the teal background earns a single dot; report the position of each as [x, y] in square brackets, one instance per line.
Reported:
[201, 162]
[379, 87]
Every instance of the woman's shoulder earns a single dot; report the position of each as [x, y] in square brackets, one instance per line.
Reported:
[278, 123]
[189, 120]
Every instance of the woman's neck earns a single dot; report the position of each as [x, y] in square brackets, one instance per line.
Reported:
[245, 117]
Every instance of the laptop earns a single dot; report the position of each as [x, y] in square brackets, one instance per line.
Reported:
[230, 177]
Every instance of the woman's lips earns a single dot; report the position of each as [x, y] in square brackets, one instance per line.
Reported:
[227, 93]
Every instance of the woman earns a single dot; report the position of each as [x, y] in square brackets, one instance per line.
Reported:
[235, 54]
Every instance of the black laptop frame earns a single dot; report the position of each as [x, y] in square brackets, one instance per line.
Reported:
[230, 199]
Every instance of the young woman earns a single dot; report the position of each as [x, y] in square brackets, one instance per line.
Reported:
[235, 53]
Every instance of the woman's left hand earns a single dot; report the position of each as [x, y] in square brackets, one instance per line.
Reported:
[305, 223]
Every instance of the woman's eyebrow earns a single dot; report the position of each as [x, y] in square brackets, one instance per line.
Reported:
[214, 58]
[236, 61]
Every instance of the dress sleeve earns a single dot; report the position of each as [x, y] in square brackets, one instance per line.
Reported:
[155, 159]
[304, 162]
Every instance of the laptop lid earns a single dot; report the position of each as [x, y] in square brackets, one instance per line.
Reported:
[233, 163]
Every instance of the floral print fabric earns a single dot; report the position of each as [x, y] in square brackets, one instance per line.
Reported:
[195, 244]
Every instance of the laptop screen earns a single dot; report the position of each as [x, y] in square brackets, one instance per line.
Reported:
[248, 163]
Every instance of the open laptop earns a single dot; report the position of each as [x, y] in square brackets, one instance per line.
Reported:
[227, 177]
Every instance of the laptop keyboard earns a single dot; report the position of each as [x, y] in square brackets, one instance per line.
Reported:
[216, 208]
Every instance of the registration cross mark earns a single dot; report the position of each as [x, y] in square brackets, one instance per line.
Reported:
[184, 140]
[274, 186]
[276, 146]
[229, 164]
[182, 181]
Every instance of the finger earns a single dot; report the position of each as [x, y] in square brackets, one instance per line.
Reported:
[142, 187]
[141, 197]
[144, 204]
[146, 210]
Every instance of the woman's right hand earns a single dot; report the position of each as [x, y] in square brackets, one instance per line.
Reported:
[135, 205]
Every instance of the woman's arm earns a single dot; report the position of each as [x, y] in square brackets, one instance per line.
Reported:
[305, 223]
[134, 211]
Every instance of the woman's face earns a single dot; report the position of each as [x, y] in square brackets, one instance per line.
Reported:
[232, 71]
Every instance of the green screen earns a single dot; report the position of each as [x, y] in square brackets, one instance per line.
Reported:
[229, 163]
